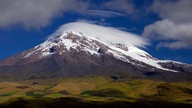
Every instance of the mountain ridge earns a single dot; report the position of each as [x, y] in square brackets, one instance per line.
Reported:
[74, 53]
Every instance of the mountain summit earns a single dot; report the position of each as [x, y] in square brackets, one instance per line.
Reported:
[80, 49]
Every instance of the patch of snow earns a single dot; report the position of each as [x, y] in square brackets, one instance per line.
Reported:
[92, 51]
[28, 55]
[118, 55]
[165, 61]
[44, 54]
[68, 43]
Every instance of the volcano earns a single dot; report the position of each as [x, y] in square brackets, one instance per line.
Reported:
[83, 49]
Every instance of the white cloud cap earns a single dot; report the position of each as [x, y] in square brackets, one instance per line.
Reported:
[107, 34]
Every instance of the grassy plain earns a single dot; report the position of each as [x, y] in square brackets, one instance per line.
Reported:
[97, 89]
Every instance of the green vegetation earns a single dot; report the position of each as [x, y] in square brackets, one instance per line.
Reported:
[86, 92]
[9, 93]
[105, 93]
[31, 94]
[98, 89]
[55, 95]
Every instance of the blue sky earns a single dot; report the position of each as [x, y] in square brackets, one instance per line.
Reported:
[167, 24]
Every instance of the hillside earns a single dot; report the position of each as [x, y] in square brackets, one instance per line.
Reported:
[95, 90]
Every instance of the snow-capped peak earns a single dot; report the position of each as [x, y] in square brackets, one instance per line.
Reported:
[90, 38]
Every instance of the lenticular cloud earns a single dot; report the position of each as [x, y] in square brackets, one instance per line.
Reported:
[106, 34]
